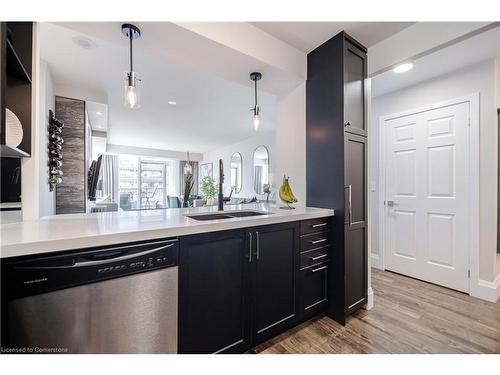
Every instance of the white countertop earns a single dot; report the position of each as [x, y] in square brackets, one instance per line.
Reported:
[75, 231]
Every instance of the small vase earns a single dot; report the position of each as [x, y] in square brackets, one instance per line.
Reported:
[210, 201]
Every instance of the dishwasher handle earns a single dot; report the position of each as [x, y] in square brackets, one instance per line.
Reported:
[88, 263]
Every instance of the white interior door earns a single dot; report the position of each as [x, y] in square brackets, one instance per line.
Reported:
[426, 195]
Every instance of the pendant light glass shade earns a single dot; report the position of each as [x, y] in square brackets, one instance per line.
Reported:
[131, 96]
[256, 118]
[188, 168]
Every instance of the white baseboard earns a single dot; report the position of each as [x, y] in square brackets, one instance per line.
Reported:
[487, 290]
[369, 303]
[375, 261]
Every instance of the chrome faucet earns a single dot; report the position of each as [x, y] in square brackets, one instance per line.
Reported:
[220, 197]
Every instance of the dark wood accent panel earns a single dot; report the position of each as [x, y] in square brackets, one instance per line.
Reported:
[70, 194]
[274, 278]
[213, 293]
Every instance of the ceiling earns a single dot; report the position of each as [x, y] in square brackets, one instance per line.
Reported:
[211, 112]
[306, 36]
[473, 50]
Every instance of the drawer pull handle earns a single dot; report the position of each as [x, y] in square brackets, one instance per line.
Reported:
[318, 225]
[319, 257]
[318, 269]
[318, 241]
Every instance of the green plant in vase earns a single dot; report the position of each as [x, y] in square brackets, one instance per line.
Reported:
[208, 189]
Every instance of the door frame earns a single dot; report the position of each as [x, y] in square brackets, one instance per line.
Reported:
[472, 177]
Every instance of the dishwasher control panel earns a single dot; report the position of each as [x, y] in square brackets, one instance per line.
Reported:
[35, 275]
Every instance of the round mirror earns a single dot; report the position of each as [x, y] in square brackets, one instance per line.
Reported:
[236, 172]
[260, 169]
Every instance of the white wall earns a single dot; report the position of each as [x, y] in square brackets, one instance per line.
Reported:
[476, 78]
[291, 141]
[246, 148]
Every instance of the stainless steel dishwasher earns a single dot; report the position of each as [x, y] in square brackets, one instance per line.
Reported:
[119, 299]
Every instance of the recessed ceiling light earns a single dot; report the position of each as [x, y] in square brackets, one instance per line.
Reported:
[171, 102]
[404, 67]
[98, 113]
[83, 42]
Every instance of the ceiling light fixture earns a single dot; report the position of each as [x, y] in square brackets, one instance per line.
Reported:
[83, 42]
[188, 169]
[171, 102]
[256, 76]
[131, 95]
[404, 67]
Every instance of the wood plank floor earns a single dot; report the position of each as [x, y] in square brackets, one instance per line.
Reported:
[409, 316]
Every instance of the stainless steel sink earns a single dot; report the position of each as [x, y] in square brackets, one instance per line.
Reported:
[227, 215]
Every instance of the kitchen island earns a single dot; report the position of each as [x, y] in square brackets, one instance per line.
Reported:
[166, 281]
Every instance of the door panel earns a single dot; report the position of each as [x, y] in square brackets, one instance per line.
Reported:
[356, 261]
[354, 90]
[356, 269]
[426, 178]
[213, 274]
[274, 279]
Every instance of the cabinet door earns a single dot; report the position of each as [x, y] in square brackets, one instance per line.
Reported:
[213, 293]
[314, 288]
[356, 265]
[274, 276]
[354, 89]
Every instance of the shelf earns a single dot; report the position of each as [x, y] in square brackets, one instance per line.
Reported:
[14, 64]
[7, 151]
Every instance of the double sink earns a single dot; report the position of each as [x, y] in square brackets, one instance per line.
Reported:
[227, 215]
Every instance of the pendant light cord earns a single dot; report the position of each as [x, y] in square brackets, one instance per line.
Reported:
[131, 52]
[255, 81]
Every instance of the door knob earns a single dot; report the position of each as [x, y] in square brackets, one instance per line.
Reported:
[347, 123]
[392, 203]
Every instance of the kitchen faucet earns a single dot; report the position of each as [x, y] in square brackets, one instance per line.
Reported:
[220, 196]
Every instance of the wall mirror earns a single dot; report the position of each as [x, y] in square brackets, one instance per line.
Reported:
[236, 172]
[260, 169]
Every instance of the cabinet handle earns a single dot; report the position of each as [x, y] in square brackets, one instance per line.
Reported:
[319, 257]
[250, 247]
[318, 241]
[347, 123]
[318, 225]
[258, 245]
[350, 204]
[318, 269]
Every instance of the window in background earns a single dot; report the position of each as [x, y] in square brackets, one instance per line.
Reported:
[154, 183]
[128, 181]
[144, 183]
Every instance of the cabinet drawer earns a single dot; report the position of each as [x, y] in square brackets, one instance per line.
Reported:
[314, 225]
[314, 241]
[316, 256]
[314, 288]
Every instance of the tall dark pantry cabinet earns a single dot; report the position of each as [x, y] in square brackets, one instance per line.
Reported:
[337, 163]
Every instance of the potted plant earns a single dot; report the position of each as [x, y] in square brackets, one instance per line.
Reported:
[208, 190]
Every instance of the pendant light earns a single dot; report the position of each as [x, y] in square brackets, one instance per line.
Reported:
[255, 76]
[188, 169]
[131, 90]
